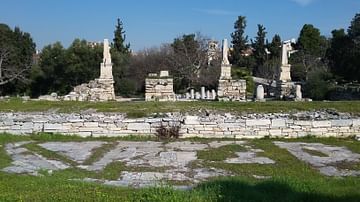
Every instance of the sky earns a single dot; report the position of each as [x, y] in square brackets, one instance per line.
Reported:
[149, 23]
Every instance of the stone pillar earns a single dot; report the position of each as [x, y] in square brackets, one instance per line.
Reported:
[203, 95]
[187, 96]
[197, 96]
[208, 95]
[298, 93]
[213, 93]
[260, 93]
[192, 94]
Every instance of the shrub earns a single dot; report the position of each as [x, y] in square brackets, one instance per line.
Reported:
[319, 84]
[171, 132]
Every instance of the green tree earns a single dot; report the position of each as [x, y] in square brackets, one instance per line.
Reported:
[120, 54]
[16, 59]
[311, 48]
[240, 43]
[119, 39]
[354, 29]
[344, 52]
[259, 47]
[275, 47]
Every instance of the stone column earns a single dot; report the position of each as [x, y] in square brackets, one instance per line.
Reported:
[213, 93]
[208, 95]
[298, 93]
[203, 95]
[197, 96]
[260, 93]
[187, 96]
[192, 94]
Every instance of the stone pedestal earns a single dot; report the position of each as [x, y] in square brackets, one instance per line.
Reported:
[225, 72]
[283, 89]
[284, 74]
[298, 93]
[203, 95]
[159, 88]
[260, 93]
[232, 90]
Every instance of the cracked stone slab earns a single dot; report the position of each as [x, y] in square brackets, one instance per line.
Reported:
[127, 152]
[249, 157]
[186, 146]
[25, 161]
[325, 164]
[77, 151]
[217, 144]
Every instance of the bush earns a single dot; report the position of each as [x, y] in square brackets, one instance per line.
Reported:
[171, 132]
[319, 84]
[242, 73]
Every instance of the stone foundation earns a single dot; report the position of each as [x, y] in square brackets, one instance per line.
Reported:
[212, 126]
[95, 90]
[159, 88]
[232, 90]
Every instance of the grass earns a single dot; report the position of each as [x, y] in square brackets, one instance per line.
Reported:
[141, 108]
[314, 152]
[221, 153]
[291, 179]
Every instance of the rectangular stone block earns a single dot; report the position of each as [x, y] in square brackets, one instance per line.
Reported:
[303, 123]
[191, 120]
[258, 122]
[138, 126]
[356, 122]
[91, 124]
[52, 126]
[321, 124]
[275, 133]
[345, 122]
[278, 123]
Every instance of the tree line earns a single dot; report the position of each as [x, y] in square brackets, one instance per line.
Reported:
[319, 62]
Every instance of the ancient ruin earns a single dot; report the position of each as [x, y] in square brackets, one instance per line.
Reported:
[101, 89]
[159, 87]
[229, 89]
[284, 86]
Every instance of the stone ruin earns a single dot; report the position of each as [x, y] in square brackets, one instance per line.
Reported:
[229, 89]
[285, 88]
[101, 89]
[159, 87]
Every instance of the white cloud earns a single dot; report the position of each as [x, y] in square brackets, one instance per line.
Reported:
[303, 2]
[216, 12]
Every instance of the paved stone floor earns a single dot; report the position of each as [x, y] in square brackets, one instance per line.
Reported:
[172, 161]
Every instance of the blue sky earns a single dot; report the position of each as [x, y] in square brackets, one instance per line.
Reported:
[149, 23]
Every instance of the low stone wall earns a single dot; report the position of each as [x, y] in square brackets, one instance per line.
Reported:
[212, 126]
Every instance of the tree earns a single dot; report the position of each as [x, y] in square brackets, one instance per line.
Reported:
[120, 54]
[354, 29]
[188, 58]
[16, 58]
[119, 39]
[311, 52]
[344, 52]
[240, 42]
[259, 46]
[275, 47]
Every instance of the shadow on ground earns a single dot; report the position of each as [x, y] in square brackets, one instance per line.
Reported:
[238, 190]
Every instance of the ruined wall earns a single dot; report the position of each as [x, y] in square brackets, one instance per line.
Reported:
[159, 88]
[212, 126]
[232, 90]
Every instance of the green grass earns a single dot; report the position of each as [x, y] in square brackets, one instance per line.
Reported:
[141, 109]
[291, 179]
[314, 152]
[221, 153]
